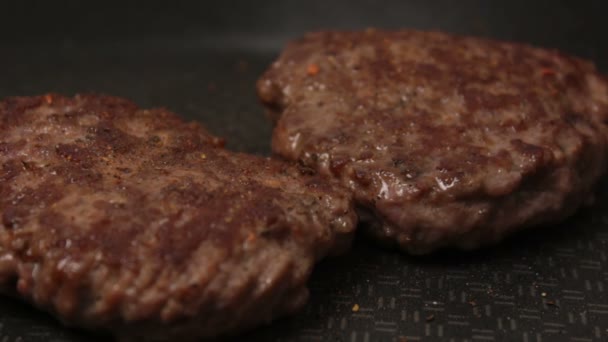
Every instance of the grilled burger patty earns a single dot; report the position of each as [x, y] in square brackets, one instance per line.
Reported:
[444, 140]
[135, 222]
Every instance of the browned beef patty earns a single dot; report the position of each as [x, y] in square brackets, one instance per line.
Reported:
[135, 222]
[444, 140]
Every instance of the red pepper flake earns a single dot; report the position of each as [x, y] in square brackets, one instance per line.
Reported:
[313, 69]
[547, 72]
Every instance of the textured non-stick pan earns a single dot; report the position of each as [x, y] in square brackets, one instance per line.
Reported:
[201, 59]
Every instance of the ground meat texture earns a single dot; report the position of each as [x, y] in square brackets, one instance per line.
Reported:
[444, 140]
[137, 223]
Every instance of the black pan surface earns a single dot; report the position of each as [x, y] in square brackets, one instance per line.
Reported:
[201, 59]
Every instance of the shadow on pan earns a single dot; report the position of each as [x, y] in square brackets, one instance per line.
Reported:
[372, 283]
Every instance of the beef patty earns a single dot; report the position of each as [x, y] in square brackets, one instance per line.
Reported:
[135, 222]
[444, 140]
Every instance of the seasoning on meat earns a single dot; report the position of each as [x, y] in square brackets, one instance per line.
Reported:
[313, 69]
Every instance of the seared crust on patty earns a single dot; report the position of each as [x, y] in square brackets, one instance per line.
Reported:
[444, 140]
[135, 222]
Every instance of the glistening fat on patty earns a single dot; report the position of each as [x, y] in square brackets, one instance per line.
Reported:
[444, 140]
